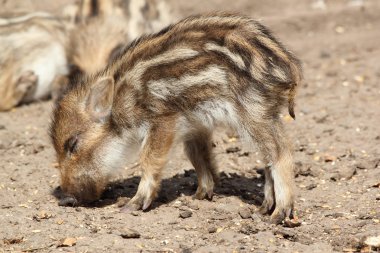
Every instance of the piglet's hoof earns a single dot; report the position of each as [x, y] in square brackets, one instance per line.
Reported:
[279, 215]
[130, 207]
[68, 201]
[137, 203]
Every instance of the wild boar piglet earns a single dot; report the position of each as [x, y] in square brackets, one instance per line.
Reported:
[178, 85]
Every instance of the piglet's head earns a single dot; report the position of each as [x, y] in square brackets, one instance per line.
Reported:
[86, 143]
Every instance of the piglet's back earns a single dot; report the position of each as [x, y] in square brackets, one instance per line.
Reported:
[215, 50]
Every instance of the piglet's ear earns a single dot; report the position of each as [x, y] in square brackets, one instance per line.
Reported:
[100, 99]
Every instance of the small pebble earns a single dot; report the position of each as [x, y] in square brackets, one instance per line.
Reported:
[245, 212]
[232, 149]
[212, 229]
[343, 173]
[248, 229]
[347, 173]
[364, 216]
[324, 54]
[363, 165]
[177, 204]
[372, 241]
[335, 215]
[67, 242]
[185, 214]
[193, 206]
[287, 233]
[128, 233]
[311, 186]
[8, 241]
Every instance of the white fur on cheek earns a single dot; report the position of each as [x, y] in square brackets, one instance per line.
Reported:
[112, 155]
[118, 152]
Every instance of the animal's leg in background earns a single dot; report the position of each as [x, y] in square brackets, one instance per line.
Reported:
[19, 91]
[198, 149]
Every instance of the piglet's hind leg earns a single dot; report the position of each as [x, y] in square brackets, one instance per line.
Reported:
[279, 184]
[282, 171]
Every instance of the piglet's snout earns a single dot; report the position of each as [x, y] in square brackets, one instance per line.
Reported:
[68, 201]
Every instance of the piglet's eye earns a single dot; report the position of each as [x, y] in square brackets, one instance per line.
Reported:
[71, 144]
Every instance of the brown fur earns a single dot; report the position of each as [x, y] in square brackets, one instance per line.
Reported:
[92, 43]
[178, 85]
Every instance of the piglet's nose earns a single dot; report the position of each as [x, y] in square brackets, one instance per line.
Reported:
[68, 201]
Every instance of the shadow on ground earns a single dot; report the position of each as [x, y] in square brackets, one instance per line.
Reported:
[249, 190]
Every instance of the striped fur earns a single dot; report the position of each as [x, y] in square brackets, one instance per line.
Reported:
[178, 85]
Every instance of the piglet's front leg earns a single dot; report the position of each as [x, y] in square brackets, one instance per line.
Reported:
[152, 160]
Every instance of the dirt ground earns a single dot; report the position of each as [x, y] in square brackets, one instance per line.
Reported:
[337, 150]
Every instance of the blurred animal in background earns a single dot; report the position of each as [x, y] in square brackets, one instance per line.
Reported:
[104, 27]
[143, 16]
[32, 57]
[146, 16]
[99, 29]
[42, 54]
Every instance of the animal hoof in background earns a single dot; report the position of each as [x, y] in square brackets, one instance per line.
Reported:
[27, 84]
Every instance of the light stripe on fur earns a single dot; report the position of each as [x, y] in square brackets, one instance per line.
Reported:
[164, 88]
